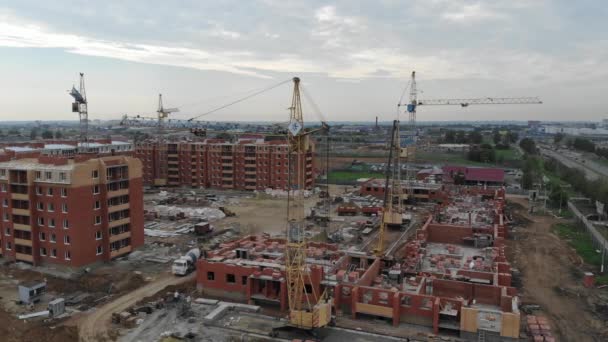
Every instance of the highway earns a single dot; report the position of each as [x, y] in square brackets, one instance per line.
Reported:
[591, 169]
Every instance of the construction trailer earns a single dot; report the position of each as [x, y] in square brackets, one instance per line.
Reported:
[31, 292]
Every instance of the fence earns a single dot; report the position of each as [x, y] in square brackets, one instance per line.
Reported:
[599, 241]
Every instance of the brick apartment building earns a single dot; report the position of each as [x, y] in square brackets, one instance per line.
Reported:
[71, 212]
[250, 163]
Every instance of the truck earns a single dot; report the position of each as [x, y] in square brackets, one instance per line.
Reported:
[186, 263]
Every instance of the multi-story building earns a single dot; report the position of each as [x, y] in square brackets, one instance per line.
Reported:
[71, 212]
[250, 163]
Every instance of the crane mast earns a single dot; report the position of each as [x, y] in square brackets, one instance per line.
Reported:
[79, 106]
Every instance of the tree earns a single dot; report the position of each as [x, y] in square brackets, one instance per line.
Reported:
[34, 133]
[558, 138]
[497, 137]
[224, 135]
[528, 145]
[512, 137]
[461, 137]
[475, 137]
[47, 134]
[13, 131]
[58, 135]
[450, 137]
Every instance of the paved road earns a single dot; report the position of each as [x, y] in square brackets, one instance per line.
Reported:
[591, 173]
[94, 327]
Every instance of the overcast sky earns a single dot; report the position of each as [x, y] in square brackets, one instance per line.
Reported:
[354, 57]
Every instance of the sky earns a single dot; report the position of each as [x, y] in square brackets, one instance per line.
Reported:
[354, 57]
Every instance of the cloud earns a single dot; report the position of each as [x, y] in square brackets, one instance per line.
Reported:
[471, 13]
[336, 30]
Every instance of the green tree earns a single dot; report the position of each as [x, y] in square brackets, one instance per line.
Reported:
[475, 137]
[497, 137]
[58, 134]
[558, 138]
[450, 137]
[13, 131]
[47, 134]
[528, 145]
[34, 133]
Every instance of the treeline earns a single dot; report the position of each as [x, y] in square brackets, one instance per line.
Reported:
[596, 189]
[587, 145]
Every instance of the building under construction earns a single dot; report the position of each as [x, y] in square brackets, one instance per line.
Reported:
[451, 275]
[252, 162]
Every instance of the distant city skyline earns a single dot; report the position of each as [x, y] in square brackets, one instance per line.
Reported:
[354, 57]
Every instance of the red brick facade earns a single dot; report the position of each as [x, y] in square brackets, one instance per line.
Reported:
[70, 212]
[249, 164]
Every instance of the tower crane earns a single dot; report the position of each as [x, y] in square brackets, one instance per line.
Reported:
[409, 152]
[306, 312]
[80, 106]
[163, 113]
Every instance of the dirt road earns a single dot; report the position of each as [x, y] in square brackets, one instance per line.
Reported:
[94, 327]
[551, 278]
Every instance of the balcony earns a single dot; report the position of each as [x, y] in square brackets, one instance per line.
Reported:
[23, 242]
[251, 172]
[119, 222]
[23, 227]
[18, 196]
[250, 187]
[24, 212]
[121, 251]
[24, 257]
[120, 236]
[227, 179]
[118, 192]
[118, 207]
[226, 164]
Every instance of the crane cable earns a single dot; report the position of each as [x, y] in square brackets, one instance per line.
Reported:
[240, 99]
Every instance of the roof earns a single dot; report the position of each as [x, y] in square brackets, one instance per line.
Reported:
[33, 164]
[475, 174]
[59, 147]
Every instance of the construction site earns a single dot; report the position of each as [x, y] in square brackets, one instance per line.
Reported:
[242, 243]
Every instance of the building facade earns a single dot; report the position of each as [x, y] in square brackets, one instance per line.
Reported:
[250, 163]
[72, 212]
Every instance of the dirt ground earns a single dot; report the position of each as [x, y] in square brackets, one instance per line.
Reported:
[551, 277]
[94, 326]
[261, 215]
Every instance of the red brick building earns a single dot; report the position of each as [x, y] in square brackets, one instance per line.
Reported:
[72, 212]
[251, 163]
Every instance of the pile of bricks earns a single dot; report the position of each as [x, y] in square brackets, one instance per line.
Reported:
[539, 329]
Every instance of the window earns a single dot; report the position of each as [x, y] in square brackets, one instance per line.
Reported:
[64, 207]
[38, 190]
[230, 278]
[41, 221]
[3, 173]
[64, 192]
[95, 174]
[42, 236]
[53, 238]
[3, 187]
[5, 202]
[97, 205]
[210, 276]
[42, 251]
[62, 176]
[40, 206]
[7, 232]
[66, 240]
[95, 189]
[97, 220]
[98, 235]
[51, 207]
[48, 175]
[244, 280]
[8, 246]
[99, 250]
[52, 223]
[6, 217]
[49, 192]
[66, 224]
[67, 255]
[53, 253]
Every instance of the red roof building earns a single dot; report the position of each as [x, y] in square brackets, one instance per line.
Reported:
[474, 175]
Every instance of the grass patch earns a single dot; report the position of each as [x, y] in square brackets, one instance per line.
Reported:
[352, 175]
[601, 279]
[580, 241]
[447, 158]
[508, 155]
